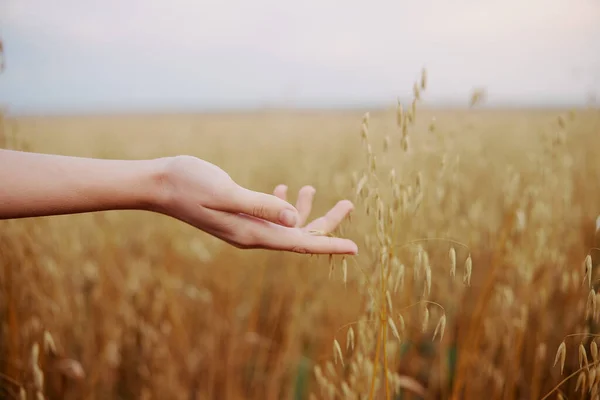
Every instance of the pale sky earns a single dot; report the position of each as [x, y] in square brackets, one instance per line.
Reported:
[82, 55]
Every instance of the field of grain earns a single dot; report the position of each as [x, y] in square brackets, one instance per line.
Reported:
[471, 268]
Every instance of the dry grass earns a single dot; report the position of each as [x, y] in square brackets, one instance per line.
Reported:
[152, 309]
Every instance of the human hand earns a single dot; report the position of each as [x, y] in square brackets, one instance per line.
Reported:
[203, 195]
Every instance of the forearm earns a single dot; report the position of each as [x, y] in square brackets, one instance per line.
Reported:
[34, 184]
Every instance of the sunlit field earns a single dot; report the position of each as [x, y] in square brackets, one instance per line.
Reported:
[473, 228]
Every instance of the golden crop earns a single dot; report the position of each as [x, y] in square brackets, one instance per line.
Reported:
[473, 234]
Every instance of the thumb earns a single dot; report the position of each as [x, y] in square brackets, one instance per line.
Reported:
[265, 206]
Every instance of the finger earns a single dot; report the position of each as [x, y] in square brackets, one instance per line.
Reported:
[299, 241]
[245, 231]
[276, 237]
[304, 203]
[323, 245]
[281, 192]
[261, 205]
[332, 219]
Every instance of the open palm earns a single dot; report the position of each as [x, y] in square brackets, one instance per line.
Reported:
[206, 197]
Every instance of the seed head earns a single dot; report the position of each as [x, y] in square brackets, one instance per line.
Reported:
[399, 114]
[350, 339]
[35, 353]
[38, 378]
[404, 144]
[337, 352]
[452, 254]
[427, 288]
[580, 381]
[592, 375]
[401, 321]
[399, 282]
[561, 354]
[49, 346]
[588, 269]
[364, 132]
[393, 328]
[389, 300]
[425, 320]
[583, 359]
[416, 92]
[440, 328]
[468, 271]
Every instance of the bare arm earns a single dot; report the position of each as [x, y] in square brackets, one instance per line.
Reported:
[34, 184]
[183, 187]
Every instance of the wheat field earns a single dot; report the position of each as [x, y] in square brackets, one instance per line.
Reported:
[471, 270]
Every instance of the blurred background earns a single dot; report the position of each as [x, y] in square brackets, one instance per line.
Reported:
[77, 56]
[466, 133]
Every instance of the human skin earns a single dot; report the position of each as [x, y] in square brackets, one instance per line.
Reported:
[187, 188]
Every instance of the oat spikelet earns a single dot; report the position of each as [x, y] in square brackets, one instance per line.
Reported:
[580, 381]
[393, 328]
[345, 270]
[361, 184]
[583, 359]
[337, 352]
[592, 375]
[49, 346]
[588, 270]
[416, 92]
[35, 353]
[348, 393]
[452, 254]
[38, 378]
[404, 144]
[594, 351]
[399, 114]
[425, 320]
[401, 320]
[388, 299]
[427, 288]
[468, 271]
[399, 282]
[591, 304]
[350, 339]
[561, 354]
[440, 328]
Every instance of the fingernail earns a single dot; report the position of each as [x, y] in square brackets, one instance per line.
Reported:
[288, 218]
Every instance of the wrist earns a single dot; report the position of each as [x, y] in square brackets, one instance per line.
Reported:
[158, 193]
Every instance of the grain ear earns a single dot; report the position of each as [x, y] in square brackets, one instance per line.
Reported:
[69, 368]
